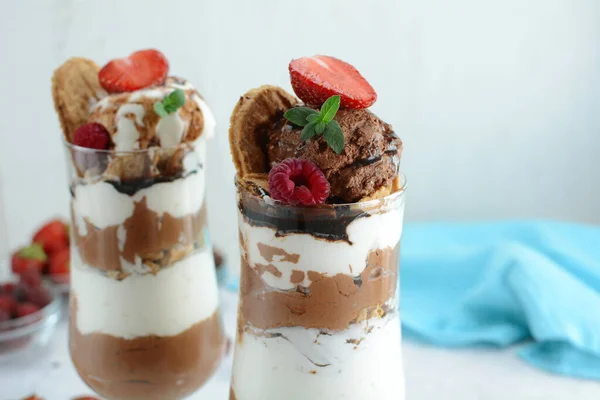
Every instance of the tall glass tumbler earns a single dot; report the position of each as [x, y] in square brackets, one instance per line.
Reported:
[144, 321]
[318, 316]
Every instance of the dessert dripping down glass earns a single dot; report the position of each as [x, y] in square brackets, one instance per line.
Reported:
[144, 321]
[318, 315]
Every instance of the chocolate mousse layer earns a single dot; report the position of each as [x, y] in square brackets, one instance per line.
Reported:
[329, 302]
[156, 240]
[370, 160]
[150, 367]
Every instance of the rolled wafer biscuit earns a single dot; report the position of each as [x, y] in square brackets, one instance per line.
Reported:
[75, 87]
[253, 115]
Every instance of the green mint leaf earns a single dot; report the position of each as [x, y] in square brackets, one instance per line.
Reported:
[308, 131]
[34, 252]
[159, 108]
[334, 136]
[299, 115]
[316, 117]
[320, 127]
[330, 107]
[171, 103]
[169, 108]
[177, 98]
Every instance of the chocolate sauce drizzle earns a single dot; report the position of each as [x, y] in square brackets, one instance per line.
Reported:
[132, 186]
[329, 223]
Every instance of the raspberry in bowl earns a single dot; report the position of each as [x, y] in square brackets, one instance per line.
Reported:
[29, 311]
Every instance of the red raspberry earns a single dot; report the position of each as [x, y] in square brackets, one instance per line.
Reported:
[8, 288]
[92, 136]
[7, 303]
[296, 181]
[31, 278]
[24, 309]
[39, 296]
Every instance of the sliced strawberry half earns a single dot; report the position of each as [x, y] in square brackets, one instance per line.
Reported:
[141, 69]
[315, 79]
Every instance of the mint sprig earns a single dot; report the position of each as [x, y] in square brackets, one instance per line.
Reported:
[171, 103]
[319, 123]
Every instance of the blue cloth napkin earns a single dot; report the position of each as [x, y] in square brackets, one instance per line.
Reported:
[504, 282]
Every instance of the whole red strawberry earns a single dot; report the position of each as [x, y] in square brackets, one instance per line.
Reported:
[60, 266]
[297, 181]
[53, 236]
[24, 309]
[315, 79]
[92, 136]
[141, 69]
[30, 258]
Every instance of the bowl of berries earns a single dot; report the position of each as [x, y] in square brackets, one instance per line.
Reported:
[29, 311]
[48, 255]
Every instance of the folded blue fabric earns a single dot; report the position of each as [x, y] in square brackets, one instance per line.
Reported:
[501, 283]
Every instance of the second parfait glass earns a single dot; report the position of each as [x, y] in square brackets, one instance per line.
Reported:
[144, 320]
[318, 316]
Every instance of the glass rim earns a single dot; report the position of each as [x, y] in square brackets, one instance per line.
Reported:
[81, 149]
[361, 204]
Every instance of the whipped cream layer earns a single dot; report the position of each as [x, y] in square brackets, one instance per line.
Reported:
[165, 304]
[126, 116]
[102, 205]
[304, 252]
[362, 362]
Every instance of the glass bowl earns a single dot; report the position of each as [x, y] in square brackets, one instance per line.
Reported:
[61, 286]
[21, 335]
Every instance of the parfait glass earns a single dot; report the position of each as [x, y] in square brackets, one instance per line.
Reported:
[318, 317]
[3, 232]
[144, 320]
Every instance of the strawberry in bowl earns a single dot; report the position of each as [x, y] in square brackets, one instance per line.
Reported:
[48, 255]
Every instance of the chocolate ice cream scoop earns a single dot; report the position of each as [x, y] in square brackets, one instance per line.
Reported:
[369, 162]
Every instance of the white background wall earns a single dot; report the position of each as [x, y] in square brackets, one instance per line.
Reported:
[498, 102]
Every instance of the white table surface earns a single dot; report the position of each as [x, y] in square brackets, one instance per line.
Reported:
[431, 373]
